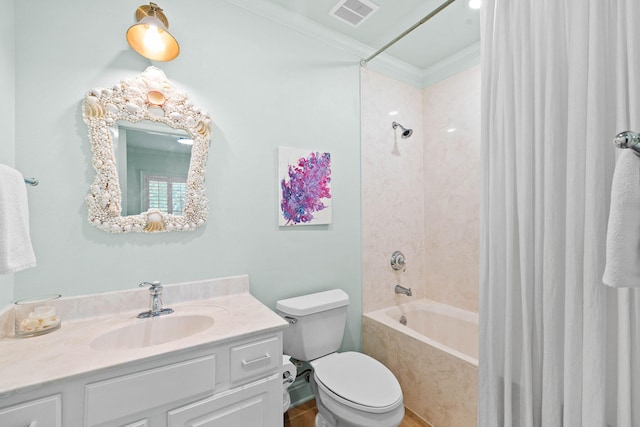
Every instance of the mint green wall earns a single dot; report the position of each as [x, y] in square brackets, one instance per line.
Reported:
[7, 116]
[7, 83]
[264, 85]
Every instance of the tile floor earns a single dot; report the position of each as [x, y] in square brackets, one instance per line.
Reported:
[305, 414]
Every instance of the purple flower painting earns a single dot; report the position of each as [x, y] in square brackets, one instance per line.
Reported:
[305, 185]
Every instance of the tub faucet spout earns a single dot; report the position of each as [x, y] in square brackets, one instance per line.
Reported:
[403, 290]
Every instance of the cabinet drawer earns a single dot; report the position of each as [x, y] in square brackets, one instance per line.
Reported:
[45, 412]
[254, 358]
[258, 404]
[141, 391]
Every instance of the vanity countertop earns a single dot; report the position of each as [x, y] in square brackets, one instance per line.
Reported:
[28, 363]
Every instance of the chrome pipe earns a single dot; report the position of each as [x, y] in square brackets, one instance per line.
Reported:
[413, 27]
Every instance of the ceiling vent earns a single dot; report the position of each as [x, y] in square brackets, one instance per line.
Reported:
[353, 12]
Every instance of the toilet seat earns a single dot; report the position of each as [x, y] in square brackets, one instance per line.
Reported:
[358, 381]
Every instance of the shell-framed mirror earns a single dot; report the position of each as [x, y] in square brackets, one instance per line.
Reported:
[150, 147]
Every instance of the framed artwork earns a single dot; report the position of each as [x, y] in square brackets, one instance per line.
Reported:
[305, 187]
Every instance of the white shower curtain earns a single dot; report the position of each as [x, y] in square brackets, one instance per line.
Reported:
[557, 348]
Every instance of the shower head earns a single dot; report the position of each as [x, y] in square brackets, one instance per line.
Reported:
[406, 133]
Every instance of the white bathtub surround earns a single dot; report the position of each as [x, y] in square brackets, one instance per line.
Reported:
[557, 347]
[29, 363]
[434, 357]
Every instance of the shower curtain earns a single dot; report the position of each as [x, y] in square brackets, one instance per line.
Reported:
[557, 347]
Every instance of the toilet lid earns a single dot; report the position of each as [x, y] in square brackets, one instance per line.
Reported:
[359, 378]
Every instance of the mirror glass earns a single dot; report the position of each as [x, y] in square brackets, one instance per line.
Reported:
[153, 165]
[149, 151]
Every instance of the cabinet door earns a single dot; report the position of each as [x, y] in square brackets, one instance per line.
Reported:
[45, 412]
[258, 404]
[139, 393]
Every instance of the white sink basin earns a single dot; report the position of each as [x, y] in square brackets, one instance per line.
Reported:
[152, 331]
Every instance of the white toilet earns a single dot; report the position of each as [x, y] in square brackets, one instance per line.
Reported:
[351, 389]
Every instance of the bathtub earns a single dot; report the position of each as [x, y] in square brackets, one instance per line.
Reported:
[434, 357]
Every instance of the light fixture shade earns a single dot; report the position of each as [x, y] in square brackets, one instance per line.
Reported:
[150, 37]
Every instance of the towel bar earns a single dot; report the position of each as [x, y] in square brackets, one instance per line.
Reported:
[628, 139]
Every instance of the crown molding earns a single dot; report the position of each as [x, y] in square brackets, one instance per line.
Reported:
[383, 63]
[304, 26]
[459, 61]
[396, 69]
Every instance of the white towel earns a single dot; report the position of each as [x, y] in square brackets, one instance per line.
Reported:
[623, 234]
[16, 253]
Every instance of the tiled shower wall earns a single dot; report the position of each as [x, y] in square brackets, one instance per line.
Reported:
[392, 189]
[421, 195]
[451, 120]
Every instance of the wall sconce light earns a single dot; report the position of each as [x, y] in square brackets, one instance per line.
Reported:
[150, 37]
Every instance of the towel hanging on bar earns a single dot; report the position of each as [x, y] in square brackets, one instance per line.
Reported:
[623, 229]
[622, 269]
[16, 251]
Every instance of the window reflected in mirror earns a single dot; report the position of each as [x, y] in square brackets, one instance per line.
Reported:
[153, 165]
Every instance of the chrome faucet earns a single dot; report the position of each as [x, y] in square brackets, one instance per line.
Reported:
[155, 308]
[403, 290]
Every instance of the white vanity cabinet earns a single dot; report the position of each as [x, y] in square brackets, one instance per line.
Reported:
[232, 384]
[216, 361]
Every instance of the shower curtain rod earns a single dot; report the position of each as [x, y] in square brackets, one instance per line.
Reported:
[416, 25]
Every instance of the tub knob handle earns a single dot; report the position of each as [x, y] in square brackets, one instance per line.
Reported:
[398, 261]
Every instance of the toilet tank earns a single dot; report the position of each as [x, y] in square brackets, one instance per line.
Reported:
[316, 323]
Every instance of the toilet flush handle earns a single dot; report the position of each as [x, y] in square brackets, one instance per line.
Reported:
[291, 320]
[287, 378]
